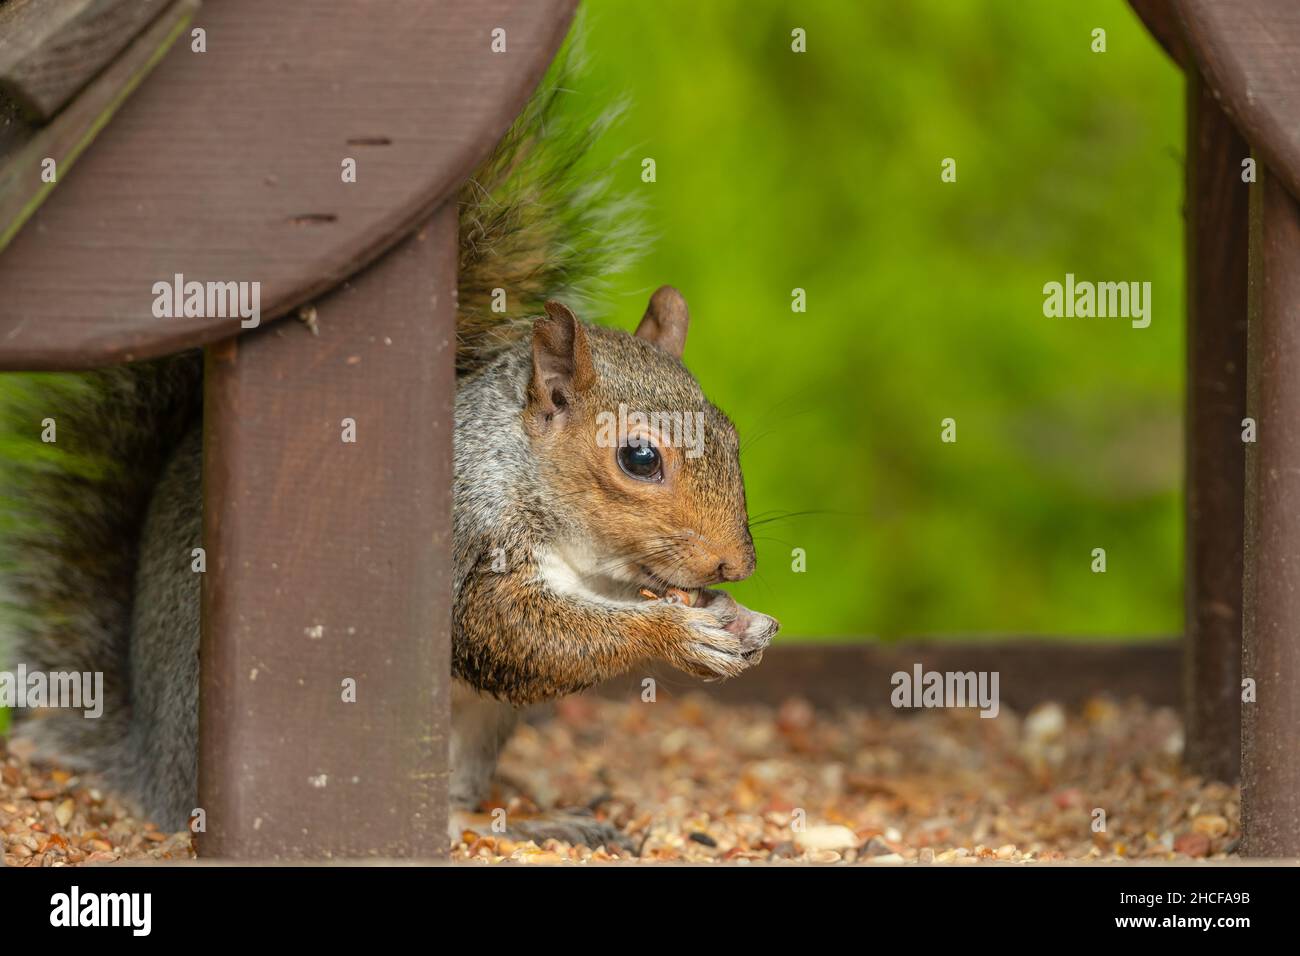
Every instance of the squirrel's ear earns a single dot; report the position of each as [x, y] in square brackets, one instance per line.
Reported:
[561, 361]
[665, 321]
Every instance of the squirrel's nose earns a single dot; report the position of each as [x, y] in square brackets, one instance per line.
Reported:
[736, 569]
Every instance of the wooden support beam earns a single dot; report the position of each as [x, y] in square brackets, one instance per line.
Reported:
[1270, 771]
[858, 673]
[1218, 209]
[329, 561]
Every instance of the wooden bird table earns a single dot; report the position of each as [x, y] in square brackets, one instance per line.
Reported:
[1242, 61]
[221, 141]
[328, 559]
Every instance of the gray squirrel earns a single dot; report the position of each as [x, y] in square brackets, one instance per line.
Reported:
[574, 559]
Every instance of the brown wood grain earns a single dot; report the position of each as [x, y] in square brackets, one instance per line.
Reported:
[1249, 53]
[48, 51]
[25, 147]
[1270, 768]
[329, 560]
[14, 129]
[1217, 212]
[226, 165]
[858, 674]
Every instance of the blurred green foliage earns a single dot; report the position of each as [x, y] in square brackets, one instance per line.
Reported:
[821, 170]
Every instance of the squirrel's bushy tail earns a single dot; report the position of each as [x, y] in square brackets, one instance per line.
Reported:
[79, 456]
[536, 221]
[539, 220]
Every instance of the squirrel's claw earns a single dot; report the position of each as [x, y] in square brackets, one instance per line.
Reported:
[575, 827]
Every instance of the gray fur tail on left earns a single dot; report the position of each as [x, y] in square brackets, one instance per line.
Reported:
[80, 457]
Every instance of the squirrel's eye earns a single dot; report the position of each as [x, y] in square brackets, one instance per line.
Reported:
[641, 461]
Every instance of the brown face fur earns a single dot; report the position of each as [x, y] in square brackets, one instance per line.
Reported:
[687, 526]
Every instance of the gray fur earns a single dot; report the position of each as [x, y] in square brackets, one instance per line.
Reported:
[71, 530]
[146, 743]
[480, 727]
[163, 738]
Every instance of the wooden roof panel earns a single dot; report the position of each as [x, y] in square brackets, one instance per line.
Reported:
[1249, 51]
[226, 165]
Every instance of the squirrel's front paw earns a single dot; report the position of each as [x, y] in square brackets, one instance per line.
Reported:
[725, 637]
[755, 631]
[710, 651]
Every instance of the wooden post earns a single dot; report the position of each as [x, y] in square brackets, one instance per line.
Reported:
[329, 563]
[1270, 793]
[1217, 237]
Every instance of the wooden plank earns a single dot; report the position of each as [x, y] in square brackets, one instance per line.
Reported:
[14, 130]
[1032, 670]
[1270, 759]
[328, 561]
[1249, 53]
[1218, 208]
[227, 166]
[48, 51]
[24, 148]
